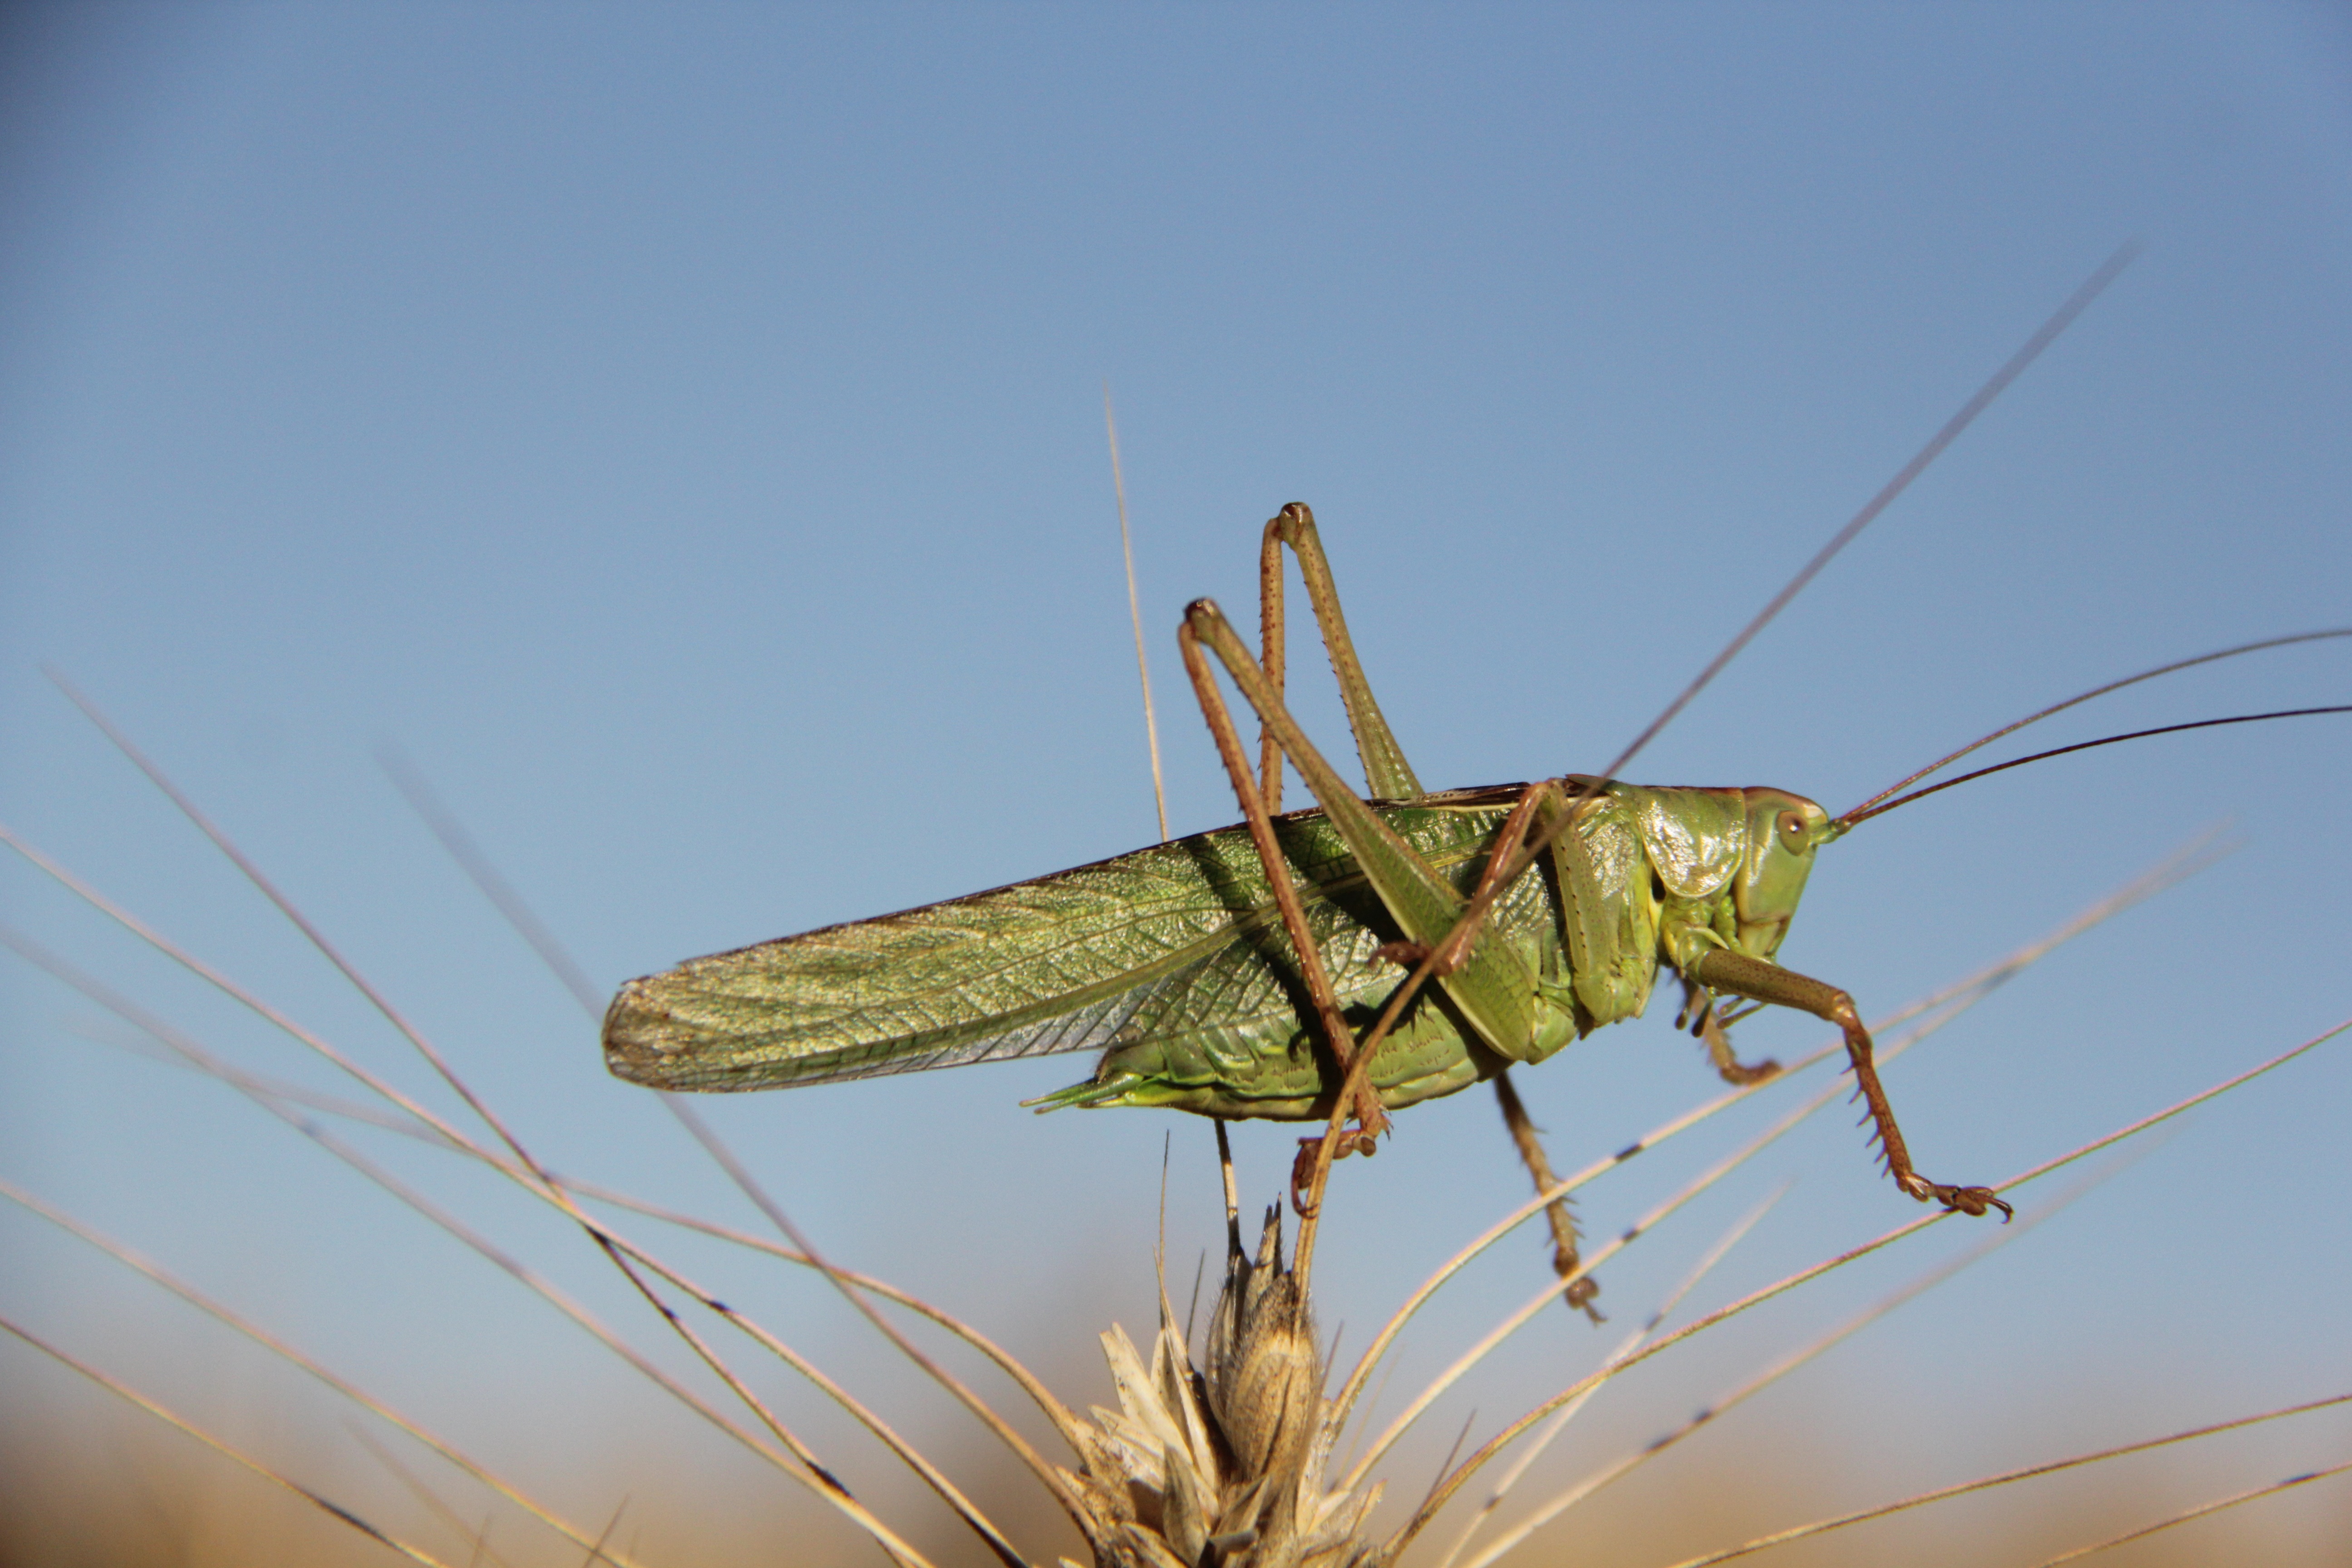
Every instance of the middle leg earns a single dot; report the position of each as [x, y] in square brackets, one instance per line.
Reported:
[1565, 1260]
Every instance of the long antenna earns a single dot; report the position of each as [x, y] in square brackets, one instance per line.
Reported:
[1860, 812]
[1864, 811]
[2058, 323]
[1482, 903]
[1135, 614]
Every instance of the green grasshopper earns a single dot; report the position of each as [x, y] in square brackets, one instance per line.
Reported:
[1254, 971]
[1213, 985]
[1239, 972]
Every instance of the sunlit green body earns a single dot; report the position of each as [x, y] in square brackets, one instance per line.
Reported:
[1394, 948]
[1172, 961]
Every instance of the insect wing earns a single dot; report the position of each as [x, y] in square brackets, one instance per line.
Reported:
[1179, 939]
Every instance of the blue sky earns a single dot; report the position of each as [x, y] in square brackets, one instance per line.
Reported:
[678, 433]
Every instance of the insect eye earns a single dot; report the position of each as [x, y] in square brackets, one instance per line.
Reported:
[1793, 832]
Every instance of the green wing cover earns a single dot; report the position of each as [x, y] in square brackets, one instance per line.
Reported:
[1178, 940]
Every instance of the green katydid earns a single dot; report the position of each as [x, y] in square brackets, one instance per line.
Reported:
[1185, 960]
[1238, 972]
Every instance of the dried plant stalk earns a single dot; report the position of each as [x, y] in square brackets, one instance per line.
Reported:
[1219, 1461]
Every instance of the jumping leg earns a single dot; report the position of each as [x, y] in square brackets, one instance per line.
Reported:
[1386, 772]
[1371, 1119]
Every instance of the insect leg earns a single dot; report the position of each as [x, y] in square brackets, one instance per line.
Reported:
[1386, 772]
[1700, 1017]
[1500, 855]
[1486, 982]
[1565, 1260]
[1720, 969]
[1371, 1119]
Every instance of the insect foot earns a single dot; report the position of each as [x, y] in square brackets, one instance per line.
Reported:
[1352, 1140]
[1222, 1464]
[1966, 1200]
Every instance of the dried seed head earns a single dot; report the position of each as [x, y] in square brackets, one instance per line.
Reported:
[1265, 1378]
[1222, 1469]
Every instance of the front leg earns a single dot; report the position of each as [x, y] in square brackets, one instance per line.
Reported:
[1721, 969]
[1698, 1016]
